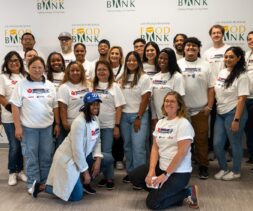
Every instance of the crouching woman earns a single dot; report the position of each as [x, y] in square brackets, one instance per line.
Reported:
[79, 154]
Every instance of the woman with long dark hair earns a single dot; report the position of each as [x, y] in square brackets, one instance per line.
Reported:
[231, 91]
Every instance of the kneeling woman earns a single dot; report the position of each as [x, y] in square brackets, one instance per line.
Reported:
[80, 153]
[170, 167]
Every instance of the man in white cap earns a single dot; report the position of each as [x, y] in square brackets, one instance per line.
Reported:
[66, 47]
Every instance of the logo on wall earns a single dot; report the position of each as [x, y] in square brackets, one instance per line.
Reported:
[192, 4]
[89, 34]
[50, 6]
[120, 5]
[156, 32]
[13, 34]
[235, 32]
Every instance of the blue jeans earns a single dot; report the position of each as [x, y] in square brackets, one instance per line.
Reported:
[37, 147]
[134, 143]
[15, 162]
[222, 131]
[172, 193]
[106, 135]
[76, 194]
[249, 127]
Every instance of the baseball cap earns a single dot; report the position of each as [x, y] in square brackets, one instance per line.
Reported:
[90, 97]
[64, 35]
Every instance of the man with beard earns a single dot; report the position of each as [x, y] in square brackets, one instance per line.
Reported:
[65, 39]
[178, 43]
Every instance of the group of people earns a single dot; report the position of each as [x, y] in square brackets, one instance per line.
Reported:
[72, 119]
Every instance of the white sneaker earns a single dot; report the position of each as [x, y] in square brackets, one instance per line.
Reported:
[220, 174]
[120, 165]
[21, 176]
[231, 176]
[12, 179]
[30, 190]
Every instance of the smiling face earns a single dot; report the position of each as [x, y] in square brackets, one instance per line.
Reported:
[170, 106]
[132, 63]
[66, 44]
[139, 48]
[14, 64]
[217, 36]
[28, 42]
[75, 74]
[151, 54]
[103, 49]
[163, 61]
[56, 63]
[102, 73]
[80, 53]
[179, 43]
[30, 54]
[230, 59]
[115, 56]
[250, 41]
[36, 70]
[191, 51]
[94, 108]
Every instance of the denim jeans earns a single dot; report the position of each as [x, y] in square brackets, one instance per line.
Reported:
[37, 147]
[106, 135]
[222, 131]
[249, 127]
[76, 194]
[15, 160]
[134, 143]
[172, 193]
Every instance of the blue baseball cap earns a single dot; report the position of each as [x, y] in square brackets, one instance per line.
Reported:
[90, 97]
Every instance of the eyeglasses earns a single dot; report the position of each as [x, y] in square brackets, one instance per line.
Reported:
[65, 39]
[13, 61]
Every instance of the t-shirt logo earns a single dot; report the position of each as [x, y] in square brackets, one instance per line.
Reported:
[13, 82]
[73, 93]
[29, 90]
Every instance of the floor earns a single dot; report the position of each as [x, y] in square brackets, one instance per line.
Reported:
[214, 195]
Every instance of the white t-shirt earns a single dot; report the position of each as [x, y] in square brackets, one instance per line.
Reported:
[167, 134]
[178, 56]
[227, 98]
[58, 77]
[149, 69]
[7, 85]
[72, 96]
[89, 69]
[111, 99]
[133, 95]
[162, 84]
[215, 57]
[249, 62]
[118, 73]
[197, 78]
[68, 57]
[36, 101]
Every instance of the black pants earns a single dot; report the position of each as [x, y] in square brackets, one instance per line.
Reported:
[172, 193]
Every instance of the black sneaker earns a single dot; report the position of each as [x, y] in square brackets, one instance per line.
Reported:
[203, 172]
[88, 189]
[126, 179]
[192, 199]
[102, 183]
[35, 189]
[110, 185]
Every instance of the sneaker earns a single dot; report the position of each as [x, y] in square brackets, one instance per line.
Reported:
[12, 179]
[135, 187]
[192, 200]
[102, 183]
[203, 172]
[220, 174]
[126, 179]
[110, 185]
[231, 176]
[35, 189]
[29, 190]
[88, 189]
[21, 176]
[120, 165]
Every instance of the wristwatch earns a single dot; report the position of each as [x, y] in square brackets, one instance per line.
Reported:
[236, 120]
[138, 117]
[116, 125]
